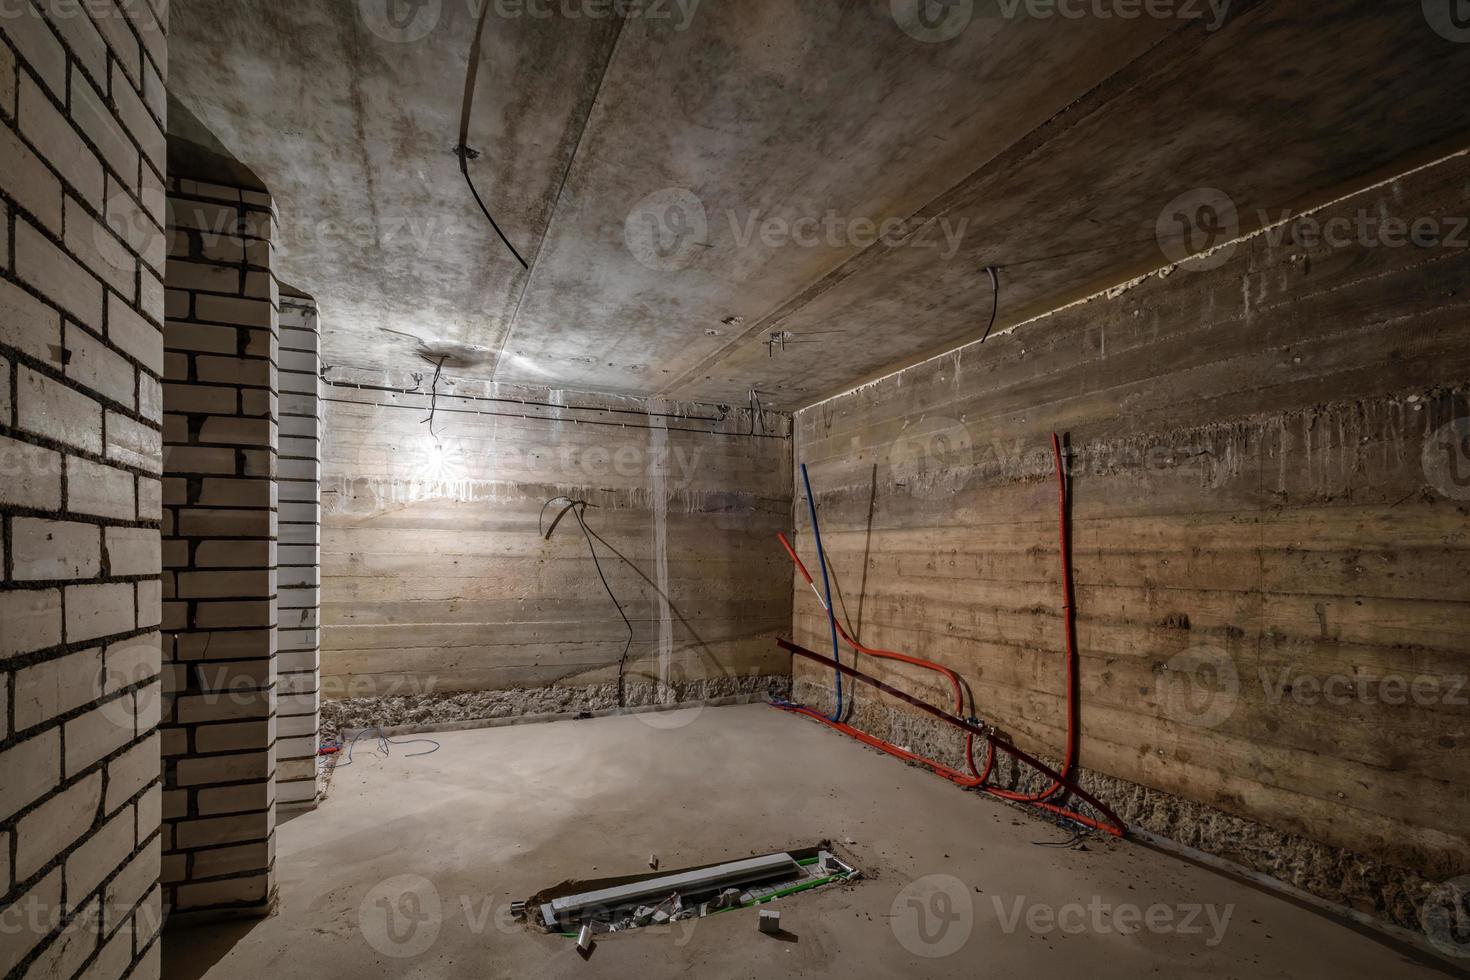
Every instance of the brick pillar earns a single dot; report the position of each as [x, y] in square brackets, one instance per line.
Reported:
[299, 594]
[81, 349]
[219, 543]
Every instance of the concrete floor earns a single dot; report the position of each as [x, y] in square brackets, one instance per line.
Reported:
[956, 884]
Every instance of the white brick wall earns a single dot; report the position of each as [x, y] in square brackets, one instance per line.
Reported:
[81, 350]
[299, 572]
[221, 432]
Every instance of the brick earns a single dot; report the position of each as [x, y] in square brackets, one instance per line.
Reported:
[150, 30]
[236, 493]
[133, 883]
[204, 277]
[36, 914]
[133, 443]
[150, 398]
[154, 92]
[98, 610]
[56, 687]
[150, 603]
[97, 248]
[39, 48]
[240, 737]
[99, 490]
[7, 82]
[56, 824]
[129, 662]
[28, 181]
[133, 551]
[130, 333]
[194, 398]
[150, 801]
[120, 40]
[131, 771]
[243, 371]
[52, 135]
[220, 830]
[150, 499]
[49, 408]
[98, 367]
[98, 856]
[30, 476]
[136, 226]
[140, 124]
[43, 550]
[227, 891]
[238, 431]
[193, 459]
[236, 799]
[77, 30]
[28, 770]
[29, 620]
[99, 733]
[91, 114]
[220, 861]
[233, 706]
[201, 522]
[57, 276]
[113, 959]
[69, 950]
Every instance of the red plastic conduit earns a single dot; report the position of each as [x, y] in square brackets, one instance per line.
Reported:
[979, 778]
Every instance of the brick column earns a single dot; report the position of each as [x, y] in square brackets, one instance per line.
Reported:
[82, 251]
[299, 594]
[219, 544]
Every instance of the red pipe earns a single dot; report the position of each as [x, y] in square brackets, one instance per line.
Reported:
[1116, 827]
[980, 778]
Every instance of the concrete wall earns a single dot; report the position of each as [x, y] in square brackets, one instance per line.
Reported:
[219, 543]
[436, 580]
[1269, 494]
[81, 354]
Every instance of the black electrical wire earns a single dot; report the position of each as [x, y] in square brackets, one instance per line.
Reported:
[434, 398]
[995, 303]
[463, 150]
[575, 508]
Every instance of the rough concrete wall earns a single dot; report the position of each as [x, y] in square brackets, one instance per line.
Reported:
[81, 351]
[437, 581]
[219, 543]
[1270, 477]
[298, 592]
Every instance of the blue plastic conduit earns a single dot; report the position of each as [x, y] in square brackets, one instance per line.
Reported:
[826, 584]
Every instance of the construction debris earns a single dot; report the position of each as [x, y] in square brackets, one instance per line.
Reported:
[770, 922]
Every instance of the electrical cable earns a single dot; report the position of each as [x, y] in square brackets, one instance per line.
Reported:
[826, 584]
[978, 779]
[463, 150]
[434, 398]
[575, 507]
[995, 302]
[383, 745]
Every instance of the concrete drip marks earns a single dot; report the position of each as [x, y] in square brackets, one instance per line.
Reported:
[583, 909]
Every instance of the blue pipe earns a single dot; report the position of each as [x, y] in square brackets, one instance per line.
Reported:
[827, 585]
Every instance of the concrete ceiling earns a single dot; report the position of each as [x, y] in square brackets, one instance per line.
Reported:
[686, 185]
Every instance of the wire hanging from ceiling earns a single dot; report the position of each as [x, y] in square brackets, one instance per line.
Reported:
[463, 150]
[995, 302]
